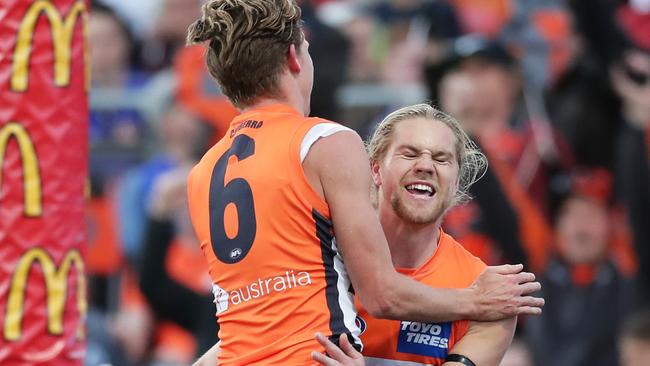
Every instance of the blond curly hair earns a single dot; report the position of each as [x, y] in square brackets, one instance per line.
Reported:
[472, 162]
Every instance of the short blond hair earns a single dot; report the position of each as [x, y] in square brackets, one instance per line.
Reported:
[472, 163]
[248, 42]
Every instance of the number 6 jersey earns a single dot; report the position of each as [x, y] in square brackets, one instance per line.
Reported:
[267, 236]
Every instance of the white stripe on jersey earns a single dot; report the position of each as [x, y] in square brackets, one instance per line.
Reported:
[346, 299]
[220, 298]
[316, 132]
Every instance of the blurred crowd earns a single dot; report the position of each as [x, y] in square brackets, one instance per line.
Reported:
[555, 92]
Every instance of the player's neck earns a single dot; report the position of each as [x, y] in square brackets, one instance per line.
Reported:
[289, 94]
[411, 245]
[265, 102]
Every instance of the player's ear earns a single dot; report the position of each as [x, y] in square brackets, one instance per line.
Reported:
[455, 188]
[376, 177]
[292, 60]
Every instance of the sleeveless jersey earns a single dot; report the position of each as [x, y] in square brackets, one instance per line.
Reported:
[277, 275]
[402, 343]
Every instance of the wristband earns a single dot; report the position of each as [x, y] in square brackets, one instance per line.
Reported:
[460, 359]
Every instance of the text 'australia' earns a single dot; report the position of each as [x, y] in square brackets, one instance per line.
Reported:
[260, 288]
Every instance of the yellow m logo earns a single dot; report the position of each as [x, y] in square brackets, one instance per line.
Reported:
[55, 285]
[62, 30]
[32, 177]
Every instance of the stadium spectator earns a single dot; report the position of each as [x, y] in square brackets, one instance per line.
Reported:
[159, 48]
[587, 297]
[165, 270]
[183, 138]
[111, 63]
[592, 108]
[196, 91]
[405, 30]
[173, 274]
[117, 133]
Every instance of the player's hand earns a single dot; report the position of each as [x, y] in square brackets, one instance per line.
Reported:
[344, 356]
[505, 291]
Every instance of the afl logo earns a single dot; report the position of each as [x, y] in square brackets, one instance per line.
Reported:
[235, 253]
[360, 323]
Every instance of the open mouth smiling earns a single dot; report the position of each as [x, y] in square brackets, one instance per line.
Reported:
[420, 189]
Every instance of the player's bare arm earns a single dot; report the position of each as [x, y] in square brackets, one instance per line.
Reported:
[485, 343]
[337, 167]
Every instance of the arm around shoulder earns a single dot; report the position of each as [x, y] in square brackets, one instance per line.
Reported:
[338, 168]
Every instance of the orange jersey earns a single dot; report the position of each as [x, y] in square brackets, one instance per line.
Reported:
[391, 342]
[267, 236]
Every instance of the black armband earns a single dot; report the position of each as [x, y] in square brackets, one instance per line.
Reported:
[459, 358]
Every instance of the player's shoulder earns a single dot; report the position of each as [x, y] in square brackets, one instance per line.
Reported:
[329, 134]
[338, 149]
[336, 154]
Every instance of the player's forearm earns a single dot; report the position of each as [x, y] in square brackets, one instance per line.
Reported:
[402, 298]
[485, 342]
[500, 292]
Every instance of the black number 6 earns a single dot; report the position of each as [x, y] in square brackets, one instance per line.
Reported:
[238, 192]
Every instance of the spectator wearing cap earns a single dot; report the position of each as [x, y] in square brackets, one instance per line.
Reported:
[480, 86]
[586, 295]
